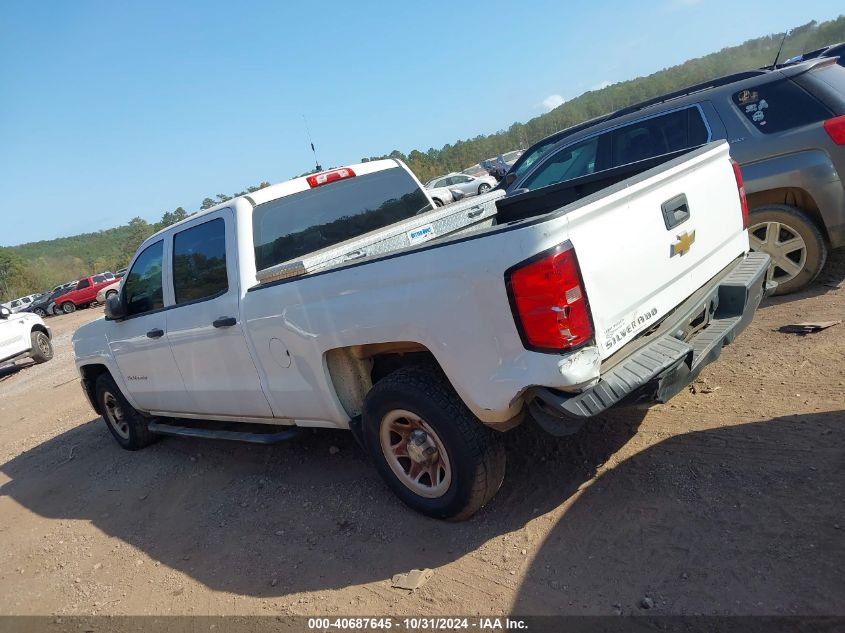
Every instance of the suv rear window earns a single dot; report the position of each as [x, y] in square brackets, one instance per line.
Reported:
[779, 106]
[309, 221]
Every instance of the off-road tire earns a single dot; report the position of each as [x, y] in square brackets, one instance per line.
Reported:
[799, 223]
[136, 434]
[68, 307]
[42, 348]
[475, 452]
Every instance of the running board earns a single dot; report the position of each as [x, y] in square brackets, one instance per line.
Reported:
[220, 434]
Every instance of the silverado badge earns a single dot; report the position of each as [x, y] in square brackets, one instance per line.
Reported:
[683, 244]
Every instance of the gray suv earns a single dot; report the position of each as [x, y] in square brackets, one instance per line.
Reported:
[785, 127]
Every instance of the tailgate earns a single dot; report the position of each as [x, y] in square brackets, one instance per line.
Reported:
[650, 242]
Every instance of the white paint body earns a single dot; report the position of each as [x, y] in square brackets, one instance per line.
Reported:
[15, 331]
[447, 295]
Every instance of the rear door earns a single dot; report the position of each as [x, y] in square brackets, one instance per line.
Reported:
[204, 326]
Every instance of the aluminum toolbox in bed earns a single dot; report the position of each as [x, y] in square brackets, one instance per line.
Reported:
[454, 219]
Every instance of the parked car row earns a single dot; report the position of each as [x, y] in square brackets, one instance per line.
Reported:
[69, 296]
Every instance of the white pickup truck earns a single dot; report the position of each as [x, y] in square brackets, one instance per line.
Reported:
[617, 286]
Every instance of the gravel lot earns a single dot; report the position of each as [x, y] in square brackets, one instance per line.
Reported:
[728, 500]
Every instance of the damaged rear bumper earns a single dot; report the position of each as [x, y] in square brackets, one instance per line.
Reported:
[664, 362]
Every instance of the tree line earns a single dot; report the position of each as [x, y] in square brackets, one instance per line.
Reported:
[39, 265]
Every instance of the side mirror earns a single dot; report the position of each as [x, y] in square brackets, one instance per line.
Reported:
[114, 308]
[5, 313]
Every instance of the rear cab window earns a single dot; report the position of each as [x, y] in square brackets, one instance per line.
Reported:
[308, 221]
[779, 106]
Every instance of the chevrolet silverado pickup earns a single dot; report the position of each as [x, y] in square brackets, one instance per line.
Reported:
[279, 309]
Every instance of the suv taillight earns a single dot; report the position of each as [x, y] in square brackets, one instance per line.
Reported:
[548, 301]
[743, 201]
[835, 129]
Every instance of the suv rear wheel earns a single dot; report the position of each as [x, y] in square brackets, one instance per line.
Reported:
[431, 450]
[68, 307]
[126, 424]
[793, 241]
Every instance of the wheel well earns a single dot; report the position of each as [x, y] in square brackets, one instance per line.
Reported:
[794, 197]
[90, 373]
[40, 328]
[354, 370]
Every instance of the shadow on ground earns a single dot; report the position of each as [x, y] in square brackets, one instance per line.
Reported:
[234, 517]
[747, 519]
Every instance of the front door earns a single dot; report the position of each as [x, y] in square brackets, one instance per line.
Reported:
[138, 342]
[204, 325]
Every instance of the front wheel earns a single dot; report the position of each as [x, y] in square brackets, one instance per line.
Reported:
[68, 307]
[42, 348]
[793, 241]
[40, 312]
[111, 293]
[483, 188]
[126, 424]
[437, 202]
[429, 448]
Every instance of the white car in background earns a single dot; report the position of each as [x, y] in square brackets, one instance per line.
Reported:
[443, 195]
[108, 291]
[466, 184]
[23, 335]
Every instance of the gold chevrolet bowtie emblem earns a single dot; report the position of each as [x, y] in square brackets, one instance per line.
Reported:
[683, 244]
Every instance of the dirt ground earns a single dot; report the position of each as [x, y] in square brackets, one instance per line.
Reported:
[727, 500]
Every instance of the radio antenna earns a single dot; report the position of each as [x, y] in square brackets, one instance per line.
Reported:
[780, 48]
[313, 149]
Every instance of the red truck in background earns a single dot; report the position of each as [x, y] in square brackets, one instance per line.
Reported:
[83, 295]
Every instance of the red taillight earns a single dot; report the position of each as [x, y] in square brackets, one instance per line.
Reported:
[326, 177]
[549, 303]
[835, 129]
[743, 201]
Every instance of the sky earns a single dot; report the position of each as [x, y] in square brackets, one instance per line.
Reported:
[111, 110]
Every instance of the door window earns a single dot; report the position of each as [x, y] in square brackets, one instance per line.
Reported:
[142, 290]
[199, 262]
[83, 283]
[98, 279]
[443, 182]
[567, 163]
[657, 136]
[461, 179]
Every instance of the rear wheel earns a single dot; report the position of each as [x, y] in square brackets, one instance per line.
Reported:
[40, 312]
[126, 424]
[42, 348]
[68, 307]
[437, 202]
[483, 188]
[430, 449]
[793, 241]
[111, 293]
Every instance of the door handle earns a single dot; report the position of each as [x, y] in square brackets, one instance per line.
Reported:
[675, 211]
[475, 213]
[156, 333]
[224, 322]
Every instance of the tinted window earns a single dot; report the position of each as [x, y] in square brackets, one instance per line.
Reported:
[657, 136]
[567, 163]
[778, 106]
[82, 283]
[98, 279]
[530, 157]
[199, 261]
[142, 288]
[460, 179]
[308, 221]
